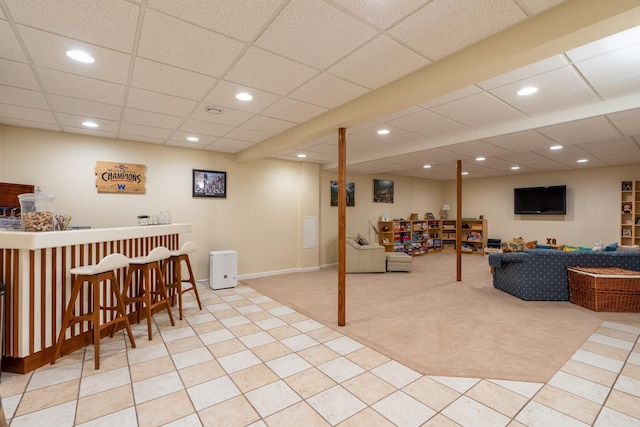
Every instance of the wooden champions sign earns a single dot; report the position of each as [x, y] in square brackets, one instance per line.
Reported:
[120, 178]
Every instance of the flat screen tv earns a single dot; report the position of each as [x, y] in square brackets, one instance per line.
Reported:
[550, 200]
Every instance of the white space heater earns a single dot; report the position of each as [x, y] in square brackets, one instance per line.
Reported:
[223, 269]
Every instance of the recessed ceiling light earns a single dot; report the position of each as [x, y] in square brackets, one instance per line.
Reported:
[515, 168]
[90, 124]
[529, 90]
[480, 159]
[555, 147]
[583, 161]
[193, 139]
[244, 96]
[383, 132]
[302, 156]
[80, 56]
[427, 166]
[464, 173]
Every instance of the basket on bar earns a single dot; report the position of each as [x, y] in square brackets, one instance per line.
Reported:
[605, 289]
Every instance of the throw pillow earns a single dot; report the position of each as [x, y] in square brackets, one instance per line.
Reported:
[628, 248]
[512, 247]
[611, 247]
[598, 247]
[361, 240]
[543, 247]
[531, 245]
[568, 248]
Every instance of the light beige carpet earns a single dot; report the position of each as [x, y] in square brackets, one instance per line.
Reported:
[437, 326]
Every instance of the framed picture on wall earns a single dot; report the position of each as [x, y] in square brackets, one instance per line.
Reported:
[209, 183]
[351, 193]
[382, 191]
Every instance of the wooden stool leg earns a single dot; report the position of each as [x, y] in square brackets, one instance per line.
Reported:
[66, 319]
[162, 289]
[115, 288]
[147, 296]
[95, 319]
[193, 281]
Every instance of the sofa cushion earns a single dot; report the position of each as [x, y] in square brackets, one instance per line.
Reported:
[611, 247]
[623, 248]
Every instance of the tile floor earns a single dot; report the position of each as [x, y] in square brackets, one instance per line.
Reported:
[246, 360]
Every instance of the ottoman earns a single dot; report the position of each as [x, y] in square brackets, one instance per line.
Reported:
[398, 261]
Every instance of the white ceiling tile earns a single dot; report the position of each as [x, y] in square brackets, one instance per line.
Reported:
[580, 131]
[240, 19]
[170, 80]
[205, 128]
[396, 136]
[142, 138]
[10, 48]
[616, 150]
[521, 141]
[75, 121]
[164, 38]
[384, 59]
[268, 124]
[606, 45]
[60, 83]
[328, 91]
[233, 145]
[569, 156]
[181, 136]
[537, 6]
[145, 131]
[224, 95]
[26, 123]
[559, 89]
[148, 118]
[435, 30]
[429, 124]
[48, 50]
[478, 111]
[477, 149]
[329, 34]
[627, 122]
[290, 109]
[87, 131]
[160, 103]
[273, 73]
[247, 135]
[185, 144]
[614, 74]
[229, 116]
[25, 113]
[453, 96]
[81, 107]
[23, 97]
[17, 74]
[382, 14]
[527, 72]
[543, 160]
[82, 20]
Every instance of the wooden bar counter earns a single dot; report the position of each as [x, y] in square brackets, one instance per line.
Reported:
[35, 269]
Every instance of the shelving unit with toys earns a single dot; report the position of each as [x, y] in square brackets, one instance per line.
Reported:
[630, 213]
[413, 237]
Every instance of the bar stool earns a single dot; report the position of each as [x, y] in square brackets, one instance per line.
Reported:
[175, 281]
[149, 293]
[96, 274]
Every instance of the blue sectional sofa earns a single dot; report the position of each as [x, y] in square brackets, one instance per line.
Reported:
[541, 274]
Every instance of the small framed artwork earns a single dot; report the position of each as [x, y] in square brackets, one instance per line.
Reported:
[209, 184]
[626, 186]
[626, 233]
[430, 216]
[382, 191]
[351, 193]
[385, 241]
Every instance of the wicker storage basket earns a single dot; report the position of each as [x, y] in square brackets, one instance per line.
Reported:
[605, 289]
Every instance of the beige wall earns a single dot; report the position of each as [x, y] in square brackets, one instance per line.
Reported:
[262, 216]
[410, 195]
[593, 205]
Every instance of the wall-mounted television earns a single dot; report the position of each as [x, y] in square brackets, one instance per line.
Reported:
[551, 200]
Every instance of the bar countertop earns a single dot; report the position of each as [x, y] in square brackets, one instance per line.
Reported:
[50, 239]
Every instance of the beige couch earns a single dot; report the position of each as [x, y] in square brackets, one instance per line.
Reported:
[369, 258]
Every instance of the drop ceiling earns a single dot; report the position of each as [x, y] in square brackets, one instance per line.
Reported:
[440, 75]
